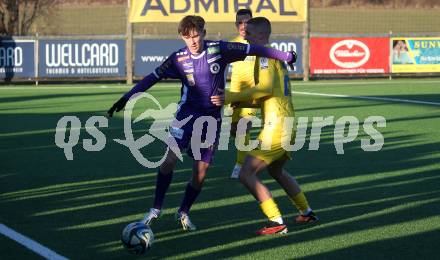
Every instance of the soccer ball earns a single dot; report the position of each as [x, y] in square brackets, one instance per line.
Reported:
[137, 237]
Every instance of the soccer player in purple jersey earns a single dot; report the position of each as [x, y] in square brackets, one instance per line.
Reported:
[200, 66]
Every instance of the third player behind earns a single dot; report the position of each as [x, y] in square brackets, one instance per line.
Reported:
[242, 77]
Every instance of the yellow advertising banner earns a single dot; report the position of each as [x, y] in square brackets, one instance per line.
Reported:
[415, 54]
[216, 10]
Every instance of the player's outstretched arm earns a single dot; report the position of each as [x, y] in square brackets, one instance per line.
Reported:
[118, 106]
[235, 51]
[165, 70]
[264, 88]
[143, 85]
[259, 50]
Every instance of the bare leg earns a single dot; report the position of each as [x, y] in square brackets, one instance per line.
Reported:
[284, 179]
[292, 189]
[248, 177]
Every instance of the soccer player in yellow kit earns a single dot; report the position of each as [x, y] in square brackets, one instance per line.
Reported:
[273, 92]
[242, 78]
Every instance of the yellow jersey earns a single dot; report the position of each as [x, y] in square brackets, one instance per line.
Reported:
[242, 71]
[272, 77]
[242, 77]
[273, 93]
[272, 90]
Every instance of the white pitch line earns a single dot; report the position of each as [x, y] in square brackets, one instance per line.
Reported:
[30, 244]
[298, 83]
[294, 92]
[398, 100]
[384, 82]
[63, 87]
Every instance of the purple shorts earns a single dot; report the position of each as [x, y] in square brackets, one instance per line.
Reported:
[193, 128]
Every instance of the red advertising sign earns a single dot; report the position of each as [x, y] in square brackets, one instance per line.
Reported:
[349, 55]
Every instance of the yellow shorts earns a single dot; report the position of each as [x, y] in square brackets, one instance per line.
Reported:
[243, 112]
[271, 146]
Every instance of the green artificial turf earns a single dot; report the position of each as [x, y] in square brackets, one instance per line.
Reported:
[372, 205]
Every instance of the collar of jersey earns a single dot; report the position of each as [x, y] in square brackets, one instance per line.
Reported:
[198, 56]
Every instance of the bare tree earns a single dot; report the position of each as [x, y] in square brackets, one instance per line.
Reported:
[18, 16]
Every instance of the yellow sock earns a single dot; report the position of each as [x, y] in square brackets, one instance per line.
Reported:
[242, 154]
[300, 202]
[270, 209]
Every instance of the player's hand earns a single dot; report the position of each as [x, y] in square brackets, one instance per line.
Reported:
[118, 106]
[293, 60]
[218, 100]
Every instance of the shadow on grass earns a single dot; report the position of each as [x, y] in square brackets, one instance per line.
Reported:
[31, 98]
[78, 208]
[401, 247]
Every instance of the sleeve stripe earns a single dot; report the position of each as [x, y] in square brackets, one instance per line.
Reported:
[248, 48]
[155, 74]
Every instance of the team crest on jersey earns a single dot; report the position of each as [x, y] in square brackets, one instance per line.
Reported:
[264, 63]
[213, 50]
[190, 78]
[215, 68]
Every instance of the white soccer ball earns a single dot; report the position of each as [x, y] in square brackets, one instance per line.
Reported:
[137, 237]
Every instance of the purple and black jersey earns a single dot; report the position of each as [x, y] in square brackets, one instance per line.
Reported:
[203, 75]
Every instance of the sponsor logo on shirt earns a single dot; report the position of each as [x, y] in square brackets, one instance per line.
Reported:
[214, 58]
[190, 78]
[188, 65]
[215, 68]
[212, 43]
[236, 46]
[213, 50]
[183, 58]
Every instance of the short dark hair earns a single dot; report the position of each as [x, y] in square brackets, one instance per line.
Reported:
[262, 23]
[243, 12]
[189, 23]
